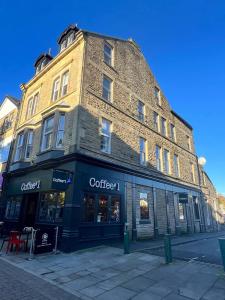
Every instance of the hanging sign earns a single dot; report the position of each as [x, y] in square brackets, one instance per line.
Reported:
[61, 179]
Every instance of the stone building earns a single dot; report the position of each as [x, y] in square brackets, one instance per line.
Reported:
[8, 118]
[98, 145]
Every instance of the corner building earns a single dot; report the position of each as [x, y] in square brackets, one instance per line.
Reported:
[98, 145]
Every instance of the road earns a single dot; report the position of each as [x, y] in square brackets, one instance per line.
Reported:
[206, 250]
[15, 284]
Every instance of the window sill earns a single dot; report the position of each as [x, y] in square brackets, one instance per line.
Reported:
[110, 66]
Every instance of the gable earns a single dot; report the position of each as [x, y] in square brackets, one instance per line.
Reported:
[6, 107]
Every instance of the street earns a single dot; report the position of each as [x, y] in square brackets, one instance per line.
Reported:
[16, 284]
[206, 250]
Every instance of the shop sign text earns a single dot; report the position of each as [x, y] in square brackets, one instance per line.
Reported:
[104, 184]
[30, 185]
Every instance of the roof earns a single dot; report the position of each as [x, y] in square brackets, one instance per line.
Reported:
[13, 99]
[41, 56]
[64, 33]
[182, 120]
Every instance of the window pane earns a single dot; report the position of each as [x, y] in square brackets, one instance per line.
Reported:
[106, 136]
[60, 131]
[65, 80]
[102, 215]
[144, 206]
[158, 158]
[29, 144]
[108, 54]
[13, 208]
[89, 208]
[106, 88]
[60, 206]
[115, 209]
[141, 111]
[142, 145]
[47, 133]
[181, 211]
[166, 161]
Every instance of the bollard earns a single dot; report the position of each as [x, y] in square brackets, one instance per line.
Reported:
[168, 249]
[222, 250]
[126, 242]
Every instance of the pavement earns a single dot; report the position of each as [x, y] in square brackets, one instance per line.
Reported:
[106, 273]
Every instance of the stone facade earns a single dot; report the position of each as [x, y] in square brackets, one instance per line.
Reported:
[84, 107]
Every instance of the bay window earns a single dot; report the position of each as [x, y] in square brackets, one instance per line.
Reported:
[19, 147]
[60, 131]
[53, 132]
[47, 134]
[29, 144]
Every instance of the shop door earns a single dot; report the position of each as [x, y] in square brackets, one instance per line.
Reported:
[30, 209]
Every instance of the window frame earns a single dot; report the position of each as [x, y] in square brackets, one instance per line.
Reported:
[176, 165]
[159, 160]
[19, 148]
[173, 132]
[105, 89]
[141, 111]
[56, 80]
[16, 214]
[146, 199]
[143, 153]
[55, 221]
[27, 144]
[163, 127]
[106, 135]
[50, 132]
[62, 92]
[96, 196]
[166, 161]
[106, 56]
[156, 121]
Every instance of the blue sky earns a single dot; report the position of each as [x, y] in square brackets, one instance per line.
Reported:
[183, 41]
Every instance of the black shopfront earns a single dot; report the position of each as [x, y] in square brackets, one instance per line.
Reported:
[86, 202]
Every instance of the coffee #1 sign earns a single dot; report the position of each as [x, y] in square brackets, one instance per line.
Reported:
[104, 184]
[27, 186]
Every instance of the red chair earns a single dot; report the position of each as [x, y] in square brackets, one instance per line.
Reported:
[14, 239]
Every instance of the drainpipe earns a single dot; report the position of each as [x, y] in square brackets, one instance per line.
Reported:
[201, 198]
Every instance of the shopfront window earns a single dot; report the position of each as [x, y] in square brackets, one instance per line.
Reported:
[144, 206]
[181, 211]
[196, 208]
[101, 208]
[89, 208]
[13, 208]
[51, 207]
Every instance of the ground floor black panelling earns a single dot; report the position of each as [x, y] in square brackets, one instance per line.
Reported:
[91, 204]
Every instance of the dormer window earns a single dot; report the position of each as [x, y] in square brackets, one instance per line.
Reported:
[42, 61]
[67, 37]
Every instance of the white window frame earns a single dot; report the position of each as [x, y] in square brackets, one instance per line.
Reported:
[172, 132]
[176, 166]
[64, 83]
[158, 150]
[106, 89]
[60, 130]
[106, 135]
[55, 92]
[166, 161]
[19, 147]
[156, 121]
[29, 143]
[143, 152]
[45, 133]
[141, 111]
[108, 58]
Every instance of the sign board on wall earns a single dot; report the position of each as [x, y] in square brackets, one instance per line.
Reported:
[61, 179]
[104, 184]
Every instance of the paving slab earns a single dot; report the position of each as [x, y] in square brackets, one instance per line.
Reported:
[214, 293]
[118, 293]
